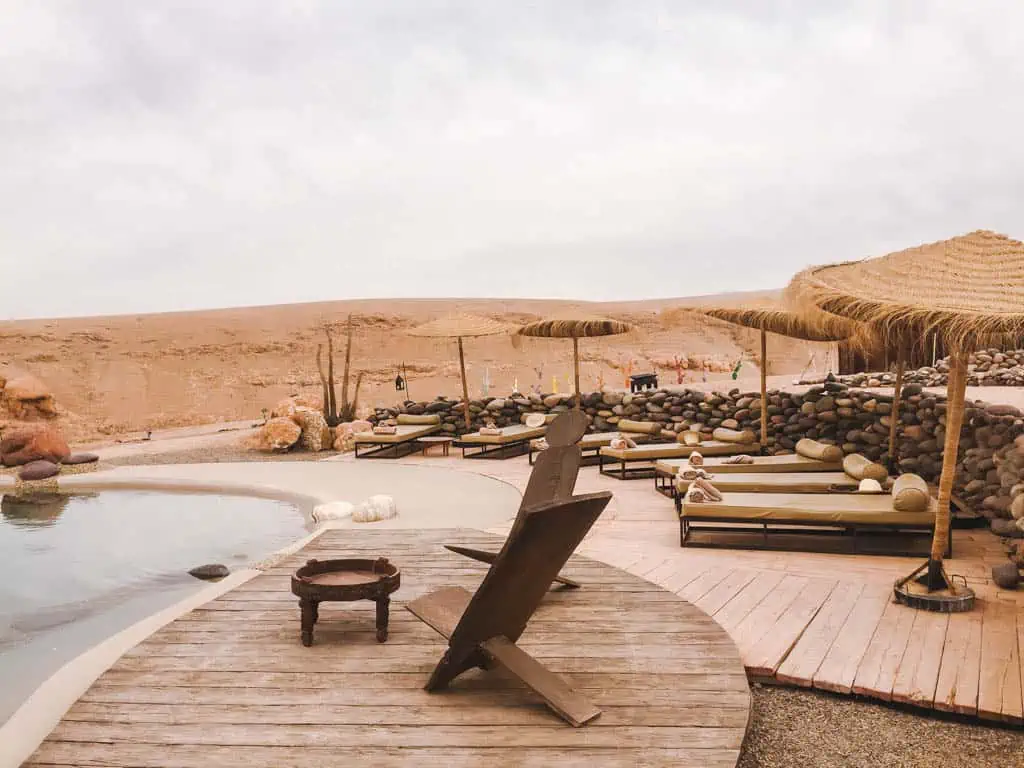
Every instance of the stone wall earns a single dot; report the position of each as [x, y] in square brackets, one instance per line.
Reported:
[990, 472]
[986, 368]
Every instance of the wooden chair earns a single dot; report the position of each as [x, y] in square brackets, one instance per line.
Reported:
[482, 628]
[553, 477]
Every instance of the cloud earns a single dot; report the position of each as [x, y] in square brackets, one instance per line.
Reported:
[172, 156]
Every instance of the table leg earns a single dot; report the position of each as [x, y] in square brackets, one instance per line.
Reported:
[383, 606]
[310, 613]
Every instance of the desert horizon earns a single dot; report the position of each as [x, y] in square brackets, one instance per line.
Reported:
[114, 375]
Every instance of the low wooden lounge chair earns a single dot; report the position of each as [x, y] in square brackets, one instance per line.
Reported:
[513, 441]
[748, 520]
[553, 477]
[634, 463]
[400, 444]
[483, 628]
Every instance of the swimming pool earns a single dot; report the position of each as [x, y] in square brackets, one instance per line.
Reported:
[76, 569]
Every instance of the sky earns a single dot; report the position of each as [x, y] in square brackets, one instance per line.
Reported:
[178, 154]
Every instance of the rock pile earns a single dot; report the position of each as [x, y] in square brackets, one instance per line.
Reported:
[985, 368]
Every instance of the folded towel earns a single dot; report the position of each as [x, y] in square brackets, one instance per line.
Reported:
[696, 460]
[540, 444]
[739, 460]
[712, 493]
[687, 472]
[385, 429]
[621, 443]
[490, 431]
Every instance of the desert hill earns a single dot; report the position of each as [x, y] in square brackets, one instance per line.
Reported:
[121, 374]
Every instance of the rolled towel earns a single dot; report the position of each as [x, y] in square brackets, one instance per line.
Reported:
[540, 444]
[709, 490]
[490, 431]
[385, 429]
[738, 460]
[696, 495]
[691, 473]
[696, 459]
[621, 443]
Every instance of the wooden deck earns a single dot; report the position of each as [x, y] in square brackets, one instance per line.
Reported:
[230, 685]
[826, 621]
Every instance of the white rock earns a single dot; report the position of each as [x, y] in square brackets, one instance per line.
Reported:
[375, 508]
[335, 510]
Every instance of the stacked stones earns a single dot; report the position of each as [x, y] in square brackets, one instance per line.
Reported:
[986, 368]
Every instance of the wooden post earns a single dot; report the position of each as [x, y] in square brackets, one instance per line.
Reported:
[894, 415]
[955, 393]
[764, 390]
[465, 386]
[576, 365]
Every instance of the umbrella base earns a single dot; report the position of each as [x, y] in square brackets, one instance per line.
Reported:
[929, 588]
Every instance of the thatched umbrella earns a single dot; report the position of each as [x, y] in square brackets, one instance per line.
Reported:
[575, 328]
[460, 326]
[970, 291]
[817, 326]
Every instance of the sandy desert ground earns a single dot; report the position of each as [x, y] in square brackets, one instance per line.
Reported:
[119, 375]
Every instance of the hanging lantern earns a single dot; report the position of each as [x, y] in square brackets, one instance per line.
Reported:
[399, 383]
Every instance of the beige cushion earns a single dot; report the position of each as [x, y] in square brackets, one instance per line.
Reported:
[859, 468]
[810, 507]
[733, 436]
[689, 437]
[514, 434]
[910, 494]
[423, 418]
[812, 449]
[644, 427]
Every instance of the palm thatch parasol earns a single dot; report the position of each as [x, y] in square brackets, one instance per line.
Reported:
[808, 326]
[970, 291]
[459, 326]
[575, 328]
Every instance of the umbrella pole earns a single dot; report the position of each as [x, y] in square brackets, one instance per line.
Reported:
[465, 386]
[576, 366]
[764, 390]
[894, 415]
[955, 392]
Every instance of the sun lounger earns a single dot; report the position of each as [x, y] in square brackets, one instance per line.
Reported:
[777, 482]
[633, 463]
[665, 470]
[402, 443]
[483, 628]
[513, 441]
[748, 520]
[589, 444]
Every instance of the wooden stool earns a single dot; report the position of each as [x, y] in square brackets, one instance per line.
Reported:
[344, 581]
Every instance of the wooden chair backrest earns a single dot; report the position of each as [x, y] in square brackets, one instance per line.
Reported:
[533, 554]
[566, 429]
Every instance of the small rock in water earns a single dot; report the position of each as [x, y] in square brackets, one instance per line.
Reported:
[210, 572]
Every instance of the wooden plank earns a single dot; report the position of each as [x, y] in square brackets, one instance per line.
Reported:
[763, 651]
[725, 590]
[805, 658]
[732, 613]
[876, 673]
[703, 583]
[839, 667]
[88, 755]
[999, 683]
[763, 616]
[918, 674]
[957, 686]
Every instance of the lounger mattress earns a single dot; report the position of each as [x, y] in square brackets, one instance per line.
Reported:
[780, 482]
[786, 463]
[403, 433]
[825, 508]
[675, 450]
[514, 434]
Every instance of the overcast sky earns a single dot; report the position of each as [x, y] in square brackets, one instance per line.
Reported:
[159, 155]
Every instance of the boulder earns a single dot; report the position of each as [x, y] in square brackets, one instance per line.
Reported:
[312, 425]
[1006, 575]
[39, 443]
[27, 398]
[375, 508]
[81, 458]
[38, 470]
[279, 434]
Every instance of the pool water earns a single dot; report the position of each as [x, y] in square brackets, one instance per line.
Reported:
[76, 569]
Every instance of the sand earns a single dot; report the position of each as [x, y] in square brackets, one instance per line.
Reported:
[116, 377]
